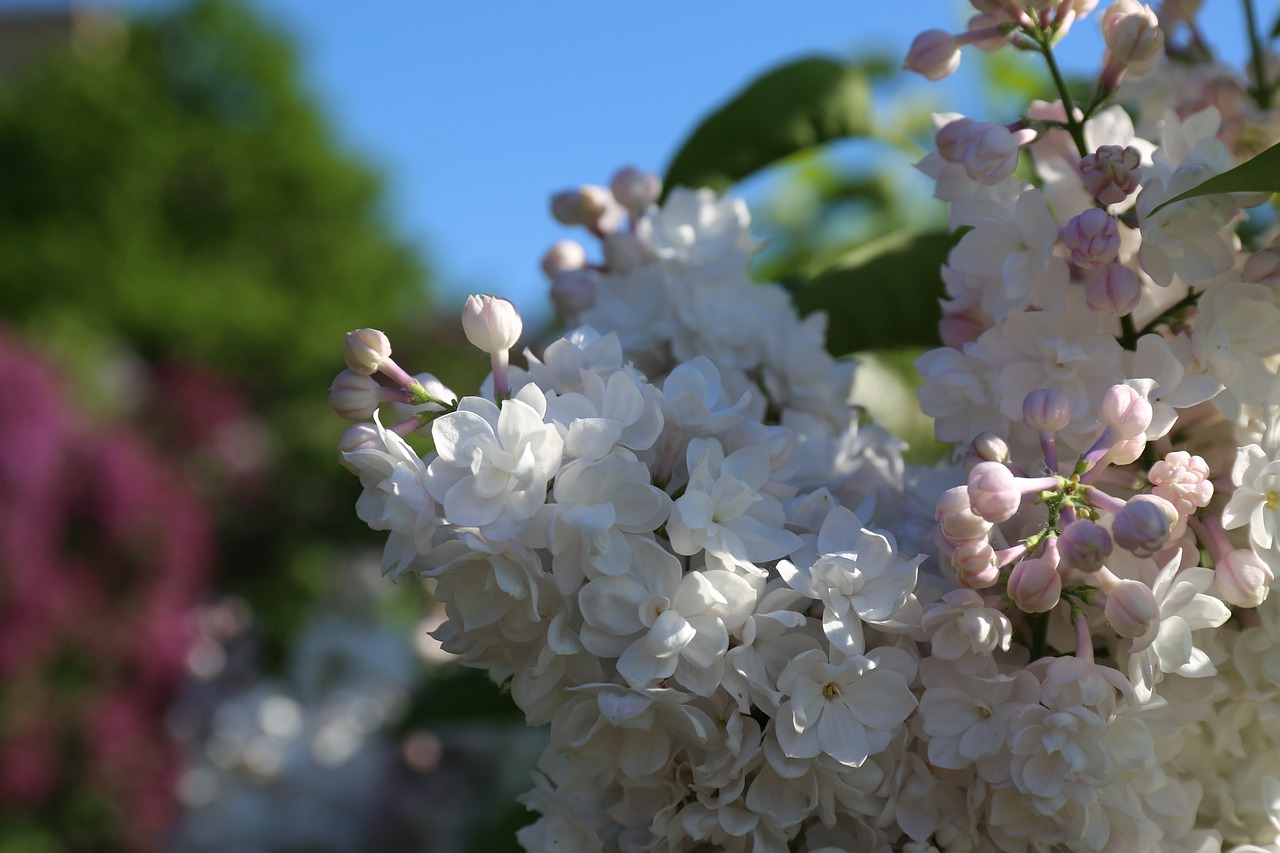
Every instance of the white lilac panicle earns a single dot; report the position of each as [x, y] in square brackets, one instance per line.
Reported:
[669, 533]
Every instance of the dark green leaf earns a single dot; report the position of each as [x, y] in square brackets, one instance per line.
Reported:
[1261, 174]
[882, 294]
[789, 109]
[1275, 29]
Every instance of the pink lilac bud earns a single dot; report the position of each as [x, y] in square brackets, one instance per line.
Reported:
[952, 139]
[635, 189]
[562, 256]
[357, 437]
[1182, 480]
[1131, 608]
[1243, 578]
[1144, 525]
[1035, 586]
[934, 54]
[491, 323]
[366, 350]
[975, 565]
[354, 396]
[1112, 289]
[1132, 35]
[1084, 545]
[1046, 410]
[992, 153]
[587, 205]
[1112, 173]
[574, 291]
[1262, 267]
[959, 522]
[993, 491]
[1127, 450]
[986, 34]
[986, 447]
[1125, 411]
[1093, 238]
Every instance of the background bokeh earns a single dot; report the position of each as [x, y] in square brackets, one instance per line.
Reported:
[197, 199]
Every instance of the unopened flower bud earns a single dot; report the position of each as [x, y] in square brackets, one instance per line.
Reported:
[1131, 608]
[366, 350]
[991, 154]
[1262, 267]
[985, 33]
[624, 251]
[1182, 480]
[986, 447]
[1243, 578]
[933, 54]
[1131, 32]
[952, 139]
[1035, 586]
[993, 492]
[635, 189]
[586, 205]
[1092, 237]
[1084, 545]
[1112, 289]
[1046, 410]
[574, 291]
[357, 437]
[1125, 411]
[1127, 450]
[957, 520]
[563, 255]
[1111, 174]
[974, 563]
[491, 323]
[354, 396]
[1144, 525]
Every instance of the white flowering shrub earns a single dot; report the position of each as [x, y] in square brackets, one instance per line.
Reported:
[751, 627]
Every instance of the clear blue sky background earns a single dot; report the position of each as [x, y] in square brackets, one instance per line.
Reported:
[475, 111]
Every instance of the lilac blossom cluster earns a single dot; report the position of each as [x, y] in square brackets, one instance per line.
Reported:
[751, 627]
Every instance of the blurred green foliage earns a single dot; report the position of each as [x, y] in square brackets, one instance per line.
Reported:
[174, 194]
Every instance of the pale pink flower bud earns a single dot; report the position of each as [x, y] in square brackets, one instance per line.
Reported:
[958, 520]
[984, 33]
[635, 189]
[994, 492]
[992, 153]
[934, 54]
[491, 323]
[366, 350]
[952, 139]
[1092, 237]
[986, 447]
[1182, 480]
[1262, 267]
[1112, 289]
[563, 255]
[1131, 608]
[1046, 410]
[1127, 450]
[354, 396]
[974, 563]
[1131, 32]
[574, 291]
[1125, 411]
[1084, 545]
[1112, 173]
[586, 205]
[1144, 525]
[357, 437]
[1243, 578]
[1035, 586]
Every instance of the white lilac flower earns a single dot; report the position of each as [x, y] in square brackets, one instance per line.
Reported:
[634, 306]
[961, 392]
[858, 575]
[1158, 368]
[659, 623]
[848, 710]
[395, 497]
[1235, 339]
[697, 228]
[1256, 501]
[966, 717]
[964, 630]
[567, 358]
[732, 339]
[1169, 645]
[724, 512]
[619, 411]
[494, 464]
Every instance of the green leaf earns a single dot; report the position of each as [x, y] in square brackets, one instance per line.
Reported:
[1275, 30]
[882, 294]
[1260, 174]
[791, 108]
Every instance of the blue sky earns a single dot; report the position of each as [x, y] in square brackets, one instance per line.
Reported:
[476, 111]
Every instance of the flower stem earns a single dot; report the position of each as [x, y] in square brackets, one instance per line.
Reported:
[1262, 89]
[1074, 126]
